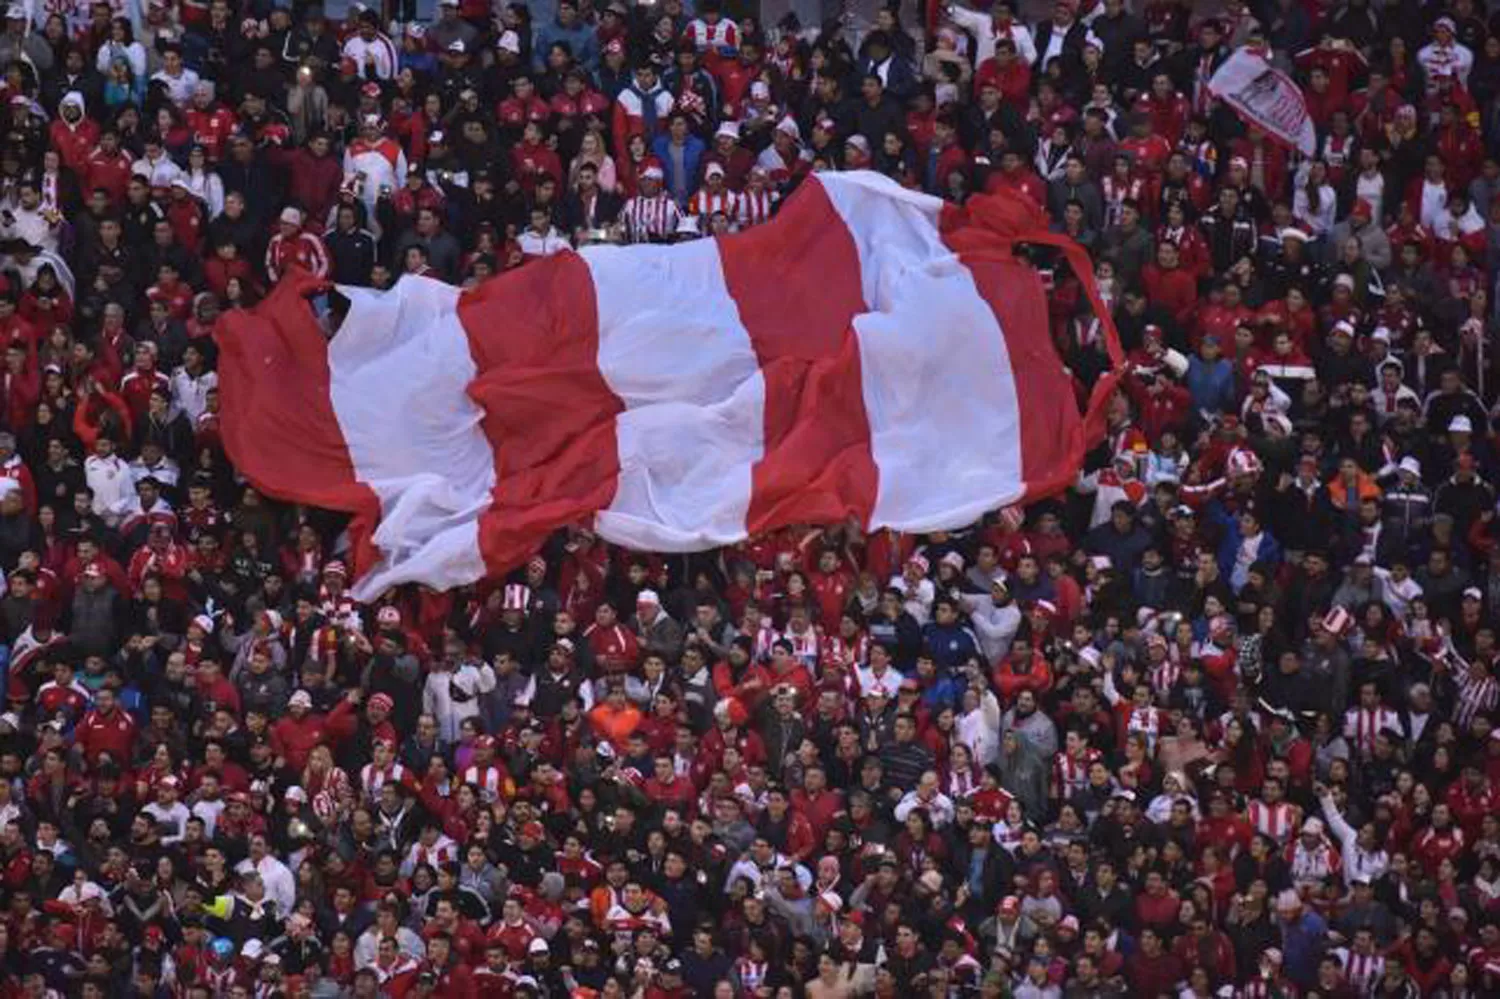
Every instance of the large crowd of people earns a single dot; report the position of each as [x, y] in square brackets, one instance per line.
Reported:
[1220, 720]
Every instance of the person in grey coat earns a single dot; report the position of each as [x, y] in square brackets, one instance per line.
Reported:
[95, 622]
[1023, 773]
[1374, 245]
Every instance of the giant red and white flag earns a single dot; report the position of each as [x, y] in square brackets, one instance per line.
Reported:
[872, 353]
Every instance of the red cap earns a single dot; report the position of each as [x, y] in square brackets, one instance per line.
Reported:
[1363, 210]
[534, 830]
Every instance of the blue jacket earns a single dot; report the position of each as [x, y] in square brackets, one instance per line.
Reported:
[1210, 385]
[580, 38]
[951, 645]
[900, 79]
[1229, 547]
[692, 152]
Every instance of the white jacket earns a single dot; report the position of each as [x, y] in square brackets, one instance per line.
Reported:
[113, 487]
[471, 681]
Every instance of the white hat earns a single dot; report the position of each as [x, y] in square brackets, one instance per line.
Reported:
[1460, 425]
[509, 41]
[295, 793]
[1312, 827]
[291, 216]
[648, 597]
[458, 46]
[1410, 464]
[788, 125]
[832, 900]
[731, 129]
[1381, 333]
[713, 170]
[537, 946]
[300, 699]
[760, 90]
[205, 623]
[652, 172]
[1345, 281]
[252, 949]
[1292, 232]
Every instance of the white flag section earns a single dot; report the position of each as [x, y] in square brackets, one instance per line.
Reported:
[871, 355]
[1265, 97]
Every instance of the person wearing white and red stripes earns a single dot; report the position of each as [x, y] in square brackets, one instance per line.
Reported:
[756, 202]
[1368, 719]
[1478, 692]
[1364, 965]
[650, 216]
[1271, 815]
[714, 197]
[293, 246]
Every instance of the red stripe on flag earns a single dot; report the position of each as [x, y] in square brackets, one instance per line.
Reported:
[818, 466]
[534, 337]
[277, 412]
[1048, 406]
[1054, 434]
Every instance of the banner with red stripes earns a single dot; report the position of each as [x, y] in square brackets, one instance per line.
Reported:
[871, 354]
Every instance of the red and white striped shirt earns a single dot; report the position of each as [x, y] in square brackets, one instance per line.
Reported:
[372, 778]
[490, 781]
[1276, 821]
[1363, 972]
[1164, 677]
[753, 207]
[1070, 774]
[1361, 725]
[650, 219]
[1478, 693]
[705, 203]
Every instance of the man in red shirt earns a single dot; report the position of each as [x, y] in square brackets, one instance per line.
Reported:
[107, 730]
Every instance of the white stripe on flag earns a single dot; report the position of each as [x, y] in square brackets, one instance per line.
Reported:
[945, 426]
[685, 370]
[399, 370]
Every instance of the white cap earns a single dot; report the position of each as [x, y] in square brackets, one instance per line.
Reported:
[789, 126]
[648, 597]
[300, 699]
[295, 793]
[731, 129]
[1410, 464]
[509, 41]
[537, 946]
[1460, 425]
[291, 216]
